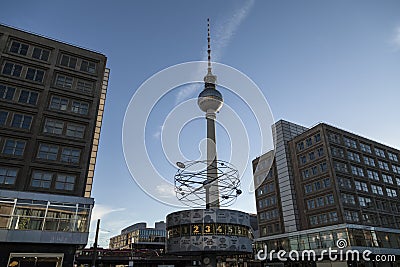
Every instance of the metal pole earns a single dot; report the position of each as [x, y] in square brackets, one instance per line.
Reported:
[95, 244]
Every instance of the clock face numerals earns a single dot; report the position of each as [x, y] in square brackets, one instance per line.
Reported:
[220, 229]
[208, 229]
[196, 229]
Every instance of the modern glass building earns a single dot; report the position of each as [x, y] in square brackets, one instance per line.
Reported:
[326, 185]
[138, 236]
[52, 97]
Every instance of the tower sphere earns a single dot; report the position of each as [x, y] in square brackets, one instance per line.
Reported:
[210, 100]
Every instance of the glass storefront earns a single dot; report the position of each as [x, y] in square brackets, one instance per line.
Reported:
[27, 214]
[327, 239]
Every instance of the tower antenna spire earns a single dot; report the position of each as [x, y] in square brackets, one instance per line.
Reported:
[209, 79]
[209, 45]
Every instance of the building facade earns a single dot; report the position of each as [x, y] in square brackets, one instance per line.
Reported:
[52, 98]
[138, 236]
[344, 187]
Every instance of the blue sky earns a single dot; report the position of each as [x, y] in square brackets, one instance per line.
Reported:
[331, 61]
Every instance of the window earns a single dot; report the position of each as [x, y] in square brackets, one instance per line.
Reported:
[351, 216]
[12, 69]
[353, 156]
[19, 48]
[314, 170]
[271, 201]
[3, 117]
[21, 121]
[393, 157]
[48, 152]
[70, 155]
[398, 181]
[350, 142]
[300, 146]
[373, 175]
[313, 220]
[333, 216]
[383, 165]
[330, 200]
[317, 137]
[337, 152]
[340, 166]
[348, 199]
[65, 182]
[308, 142]
[311, 155]
[323, 167]
[310, 204]
[391, 192]
[6, 92]
[357, 171]
[53, 126]
[320, 201]
[84, 86]
[41, 54]
[379, 152]
[365, 201]
[317, 185]
[261, 165]
[334, 138]
[387, 178]
[58, 103]
[80, 107]
[327, 182]
[361, 186]
[74, 130]
[88, 66]
[64, 81]
[8, 176]
[396, 169]
[323, 218]
[308, 188]
[344, 182]
[68, 61]
[306, 174]
[369, 161]
[28, 97]
[34, 75]
[376, 189]
[365, 148]
[42, 179]
[303, 160]
[320, 151]
[14, 147]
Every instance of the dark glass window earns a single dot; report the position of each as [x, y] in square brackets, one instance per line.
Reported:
[12, 69]
[6, 92]
[41, 54]
[19, 48]
[21, 121]
[28, 97]
[34, 75]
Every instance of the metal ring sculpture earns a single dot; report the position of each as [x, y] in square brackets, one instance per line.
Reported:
[191, 180]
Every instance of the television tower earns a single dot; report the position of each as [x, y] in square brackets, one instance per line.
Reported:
[210, 101]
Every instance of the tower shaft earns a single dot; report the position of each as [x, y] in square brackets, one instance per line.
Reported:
[212, 192]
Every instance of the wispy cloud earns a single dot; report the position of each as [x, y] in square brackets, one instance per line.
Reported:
[100, 211]
[221, 35]
[108, 227]
[157, 133]
[165, 191]
[396, 38]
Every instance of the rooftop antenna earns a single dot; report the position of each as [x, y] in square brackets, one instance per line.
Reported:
[209, 78]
